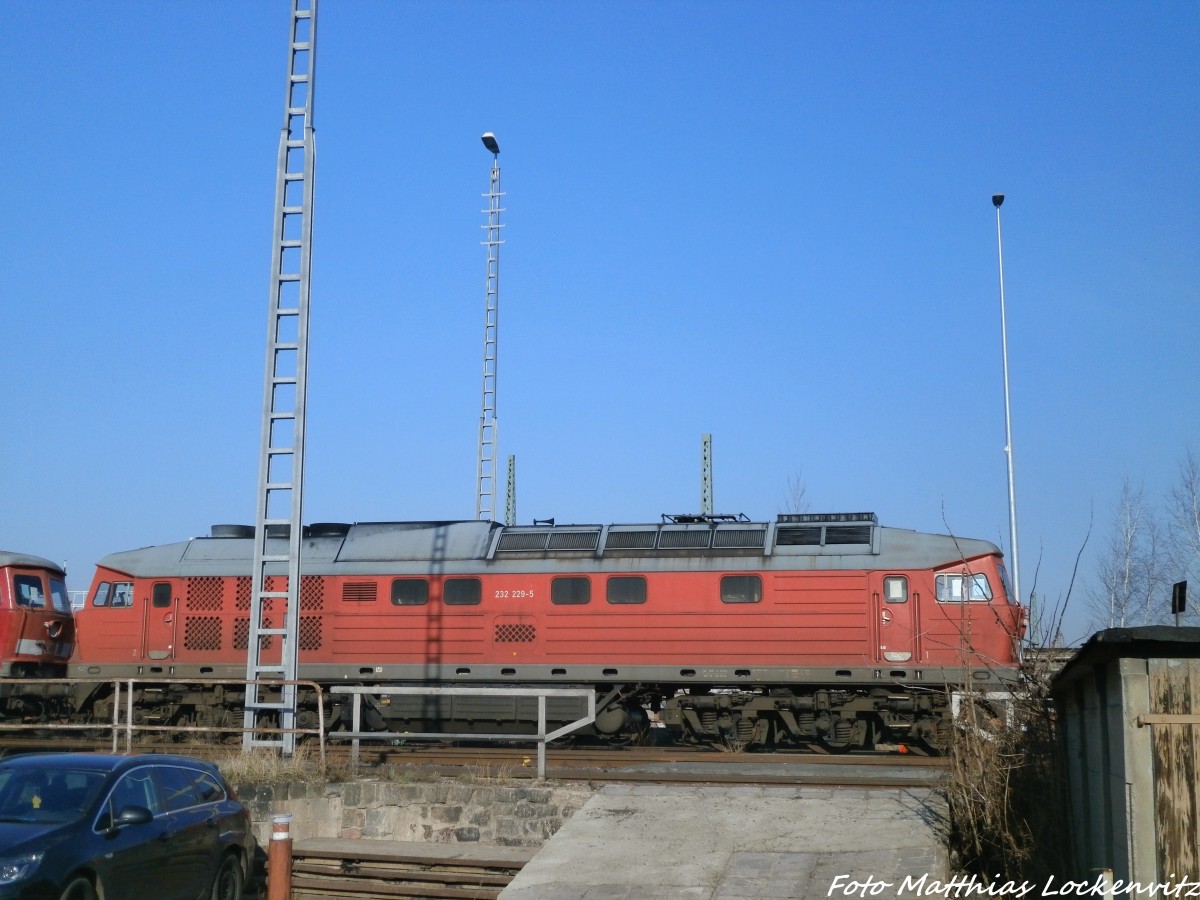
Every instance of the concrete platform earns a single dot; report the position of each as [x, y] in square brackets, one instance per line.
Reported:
[662, 842]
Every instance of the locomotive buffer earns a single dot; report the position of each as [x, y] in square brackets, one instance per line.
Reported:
[272, 640]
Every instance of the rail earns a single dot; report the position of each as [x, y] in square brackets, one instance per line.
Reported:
[356, 734]
[123, 702]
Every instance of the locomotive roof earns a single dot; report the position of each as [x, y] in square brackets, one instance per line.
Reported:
[9, 558]
[791, 542]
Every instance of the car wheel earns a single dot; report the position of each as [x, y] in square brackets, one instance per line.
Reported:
[228, 883]
[78, 889]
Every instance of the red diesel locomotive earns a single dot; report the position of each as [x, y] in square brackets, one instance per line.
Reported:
[36, 625]
[826, 629]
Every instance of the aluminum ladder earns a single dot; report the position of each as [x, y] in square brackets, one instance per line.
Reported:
[273, 635]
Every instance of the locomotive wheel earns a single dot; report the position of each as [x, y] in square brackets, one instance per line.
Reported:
[846, 735]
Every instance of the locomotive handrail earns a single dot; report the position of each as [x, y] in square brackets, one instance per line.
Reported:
[128, 727]
[356, 734]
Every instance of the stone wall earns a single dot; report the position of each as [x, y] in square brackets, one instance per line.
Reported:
[445, 812]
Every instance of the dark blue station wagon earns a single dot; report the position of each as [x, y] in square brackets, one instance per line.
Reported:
[82, 826]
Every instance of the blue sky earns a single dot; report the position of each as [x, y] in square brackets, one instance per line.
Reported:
[767, 221]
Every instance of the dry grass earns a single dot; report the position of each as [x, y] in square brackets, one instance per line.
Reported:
[269, 767]
[1007, 791]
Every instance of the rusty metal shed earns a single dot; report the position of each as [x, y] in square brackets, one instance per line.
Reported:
[1129, 713]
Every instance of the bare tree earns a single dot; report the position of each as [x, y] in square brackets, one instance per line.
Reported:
[1183, 521]
[1131, 575]
[796, 500]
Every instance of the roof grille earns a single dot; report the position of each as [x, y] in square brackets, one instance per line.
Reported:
[574, 540]
[804, 536]
[523, 540]
[692, 539]
[821, 518]
[630, 540]
[848, 534]
[739, 538]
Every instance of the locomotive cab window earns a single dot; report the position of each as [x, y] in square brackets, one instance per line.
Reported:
[114, 595]
[741, 589]
[570, 591]
[895, 589]
[462, 592]
[963, 588]
[28, 591]
[410, 592]
[626, 589]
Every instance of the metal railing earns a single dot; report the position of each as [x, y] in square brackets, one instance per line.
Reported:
[123, 711]
[356, 734]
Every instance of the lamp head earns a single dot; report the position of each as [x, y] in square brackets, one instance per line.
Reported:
[997, 199]
[489, 141]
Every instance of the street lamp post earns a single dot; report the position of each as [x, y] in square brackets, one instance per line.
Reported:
[997, 201]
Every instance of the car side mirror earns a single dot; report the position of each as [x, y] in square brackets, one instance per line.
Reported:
[132, 815]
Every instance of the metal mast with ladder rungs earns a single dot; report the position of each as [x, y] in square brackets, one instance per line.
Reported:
[706, 485]
[485, 480]
[510, 501]
[272, 638]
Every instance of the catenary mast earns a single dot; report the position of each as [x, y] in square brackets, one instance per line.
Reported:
[485, 479]
[273, 632]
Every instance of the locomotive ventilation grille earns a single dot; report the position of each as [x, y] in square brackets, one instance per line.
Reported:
[515, 634]
[689, 540]
[359, 590]
[202, 633]
[204, 594]
[819, 535]
[577, 539]
[310, 637]
[515, 541]
[630, 540]
[312, 591]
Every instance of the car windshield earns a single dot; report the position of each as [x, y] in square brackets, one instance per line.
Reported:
[37, 795]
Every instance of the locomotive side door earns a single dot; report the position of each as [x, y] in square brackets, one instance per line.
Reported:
[895, 610]
[160, 621]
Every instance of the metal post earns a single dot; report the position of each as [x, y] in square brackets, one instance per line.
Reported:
[541, 737]
[997, 200]
[356, 727]
[279, 858]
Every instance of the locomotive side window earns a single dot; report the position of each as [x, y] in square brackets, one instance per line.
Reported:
[626, 589]
[29, 591]
[103, 591]
[410, 592]
[895, 589]
[571, 591]
[160, 596]
[59, 596]
[741, 589]
[462, 592]
[963, 588]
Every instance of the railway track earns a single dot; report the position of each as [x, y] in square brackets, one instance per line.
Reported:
[659, 764]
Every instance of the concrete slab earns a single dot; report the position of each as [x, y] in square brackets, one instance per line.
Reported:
[637, 842]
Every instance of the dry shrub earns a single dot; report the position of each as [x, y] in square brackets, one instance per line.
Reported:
[1007, 793]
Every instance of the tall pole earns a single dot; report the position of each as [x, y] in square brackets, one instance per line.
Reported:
[997, 201]
[485, 473]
